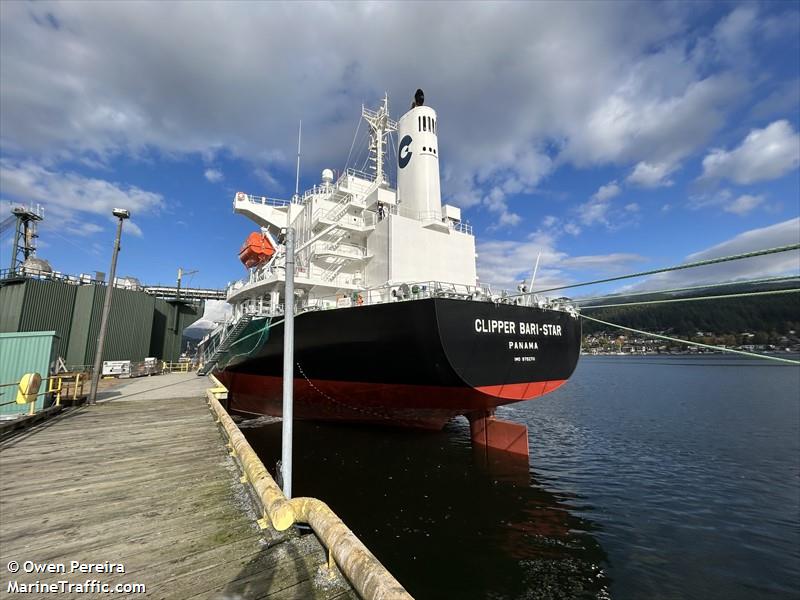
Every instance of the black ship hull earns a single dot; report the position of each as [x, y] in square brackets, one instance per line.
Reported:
[414, 363]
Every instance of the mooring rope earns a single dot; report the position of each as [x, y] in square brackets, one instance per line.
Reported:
[700, 263]
[690, 343]
[779, 278]
[267, 326]
[668, 300]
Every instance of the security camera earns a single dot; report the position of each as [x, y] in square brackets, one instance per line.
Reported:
[121, 213]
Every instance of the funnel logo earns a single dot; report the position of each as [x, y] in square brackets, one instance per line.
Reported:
[404, 154]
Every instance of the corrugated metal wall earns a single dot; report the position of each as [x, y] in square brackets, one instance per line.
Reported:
[11, 300]
[177, 316]
[20, 353]
[83, 313]
[139, 325]
[47, 306]
[158, 340]
[129, 326]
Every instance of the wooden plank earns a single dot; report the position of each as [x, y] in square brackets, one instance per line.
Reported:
[148, 482]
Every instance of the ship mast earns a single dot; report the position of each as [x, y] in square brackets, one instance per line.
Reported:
[380, 125]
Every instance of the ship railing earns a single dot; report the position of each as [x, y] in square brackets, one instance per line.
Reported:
[431, 216]
[359, 174]
[348, 250]
[266, 201]
[363, 221]
[321, 188]
[259, 276]
[429, 289]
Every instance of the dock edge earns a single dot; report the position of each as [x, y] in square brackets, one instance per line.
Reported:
[365, 572]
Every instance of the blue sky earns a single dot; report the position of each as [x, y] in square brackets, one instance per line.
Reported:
[609, 137]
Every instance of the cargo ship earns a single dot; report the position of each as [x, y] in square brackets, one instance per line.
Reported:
[392, 326]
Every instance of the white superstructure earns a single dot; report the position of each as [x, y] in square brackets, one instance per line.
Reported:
[358, 240]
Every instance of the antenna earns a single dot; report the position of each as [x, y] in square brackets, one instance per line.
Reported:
[533, 278]
[297, 173]
[535, 268]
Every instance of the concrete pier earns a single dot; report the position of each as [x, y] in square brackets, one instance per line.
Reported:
[144, 480]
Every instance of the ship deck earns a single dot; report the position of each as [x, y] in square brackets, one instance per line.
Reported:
[143, 479]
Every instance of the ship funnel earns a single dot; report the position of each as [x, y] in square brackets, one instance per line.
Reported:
[418, 160]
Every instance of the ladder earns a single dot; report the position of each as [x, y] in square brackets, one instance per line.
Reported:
[226, 339]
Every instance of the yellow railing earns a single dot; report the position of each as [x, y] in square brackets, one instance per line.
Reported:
[177, 367]
[369, 577]
[30, 383]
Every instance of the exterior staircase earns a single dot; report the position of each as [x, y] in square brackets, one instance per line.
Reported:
[226, 339]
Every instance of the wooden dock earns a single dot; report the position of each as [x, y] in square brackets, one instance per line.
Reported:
[144, 479]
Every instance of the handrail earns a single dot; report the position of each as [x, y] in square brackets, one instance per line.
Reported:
[55, 386]
[370, 578]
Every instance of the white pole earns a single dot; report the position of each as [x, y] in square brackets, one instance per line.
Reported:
[288, 367]
[533, 277]
[297, 174]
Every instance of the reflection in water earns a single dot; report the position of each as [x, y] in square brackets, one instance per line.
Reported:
[448, 521]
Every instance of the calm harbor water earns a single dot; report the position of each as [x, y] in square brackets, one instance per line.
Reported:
[649, 477]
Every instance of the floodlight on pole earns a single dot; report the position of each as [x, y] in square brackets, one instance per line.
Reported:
[121, 214]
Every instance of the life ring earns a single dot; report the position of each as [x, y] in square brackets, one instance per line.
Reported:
[240, 196]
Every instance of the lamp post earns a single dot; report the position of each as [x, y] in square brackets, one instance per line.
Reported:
[121, 214]
[288, 367]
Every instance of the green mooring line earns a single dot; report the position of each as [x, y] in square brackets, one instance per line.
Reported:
[700, 263]
[623, 295]
[672, 339]
[717, 297]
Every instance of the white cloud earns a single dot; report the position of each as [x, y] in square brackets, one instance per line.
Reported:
[783, 99]
[69, 198]
[606, 192]
[764, 154]
[649, 175]
[495, 201]
[632, 207]
[81, 229]
[216, 311]
[744, 204]
[594, 212]
[785, 263]
[505, 263]
[214, 175]
[579, 83]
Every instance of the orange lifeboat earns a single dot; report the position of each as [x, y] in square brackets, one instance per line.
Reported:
[256, 250]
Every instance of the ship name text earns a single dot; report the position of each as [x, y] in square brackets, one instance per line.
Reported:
[521, 327]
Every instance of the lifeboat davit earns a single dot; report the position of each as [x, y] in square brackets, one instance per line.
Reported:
[256, 250]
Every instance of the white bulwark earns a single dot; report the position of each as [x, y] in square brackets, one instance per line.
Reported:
[358, 240]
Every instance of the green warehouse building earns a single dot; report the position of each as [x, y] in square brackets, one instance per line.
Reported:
[140, 325]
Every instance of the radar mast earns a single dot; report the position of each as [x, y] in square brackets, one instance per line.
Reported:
[380, 125]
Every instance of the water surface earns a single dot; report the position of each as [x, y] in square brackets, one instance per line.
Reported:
[649, 477]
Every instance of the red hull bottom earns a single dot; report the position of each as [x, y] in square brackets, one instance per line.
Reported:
[420, 406]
